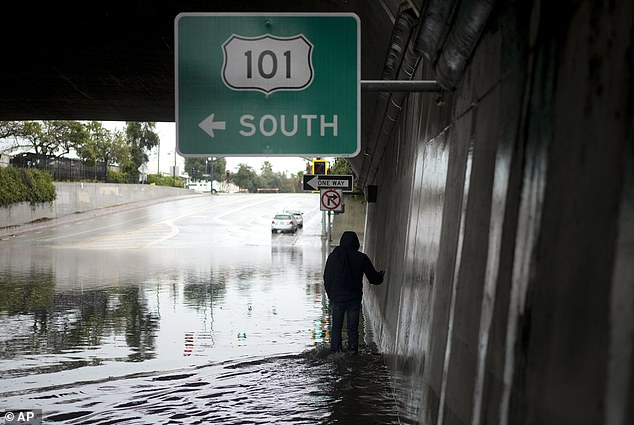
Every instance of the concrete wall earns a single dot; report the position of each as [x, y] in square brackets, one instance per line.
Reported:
[353, 218]
[79, 197]
[504, 220]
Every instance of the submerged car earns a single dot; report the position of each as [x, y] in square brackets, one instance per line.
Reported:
[298, 216]
[284, 222]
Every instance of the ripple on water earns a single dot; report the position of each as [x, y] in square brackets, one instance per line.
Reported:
[312, 387]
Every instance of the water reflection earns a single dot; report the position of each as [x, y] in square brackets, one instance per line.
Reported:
[220, 334]
[71, 306]
[36, 321]
[22, 297]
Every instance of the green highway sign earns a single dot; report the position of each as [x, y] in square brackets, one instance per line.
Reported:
[252, 84]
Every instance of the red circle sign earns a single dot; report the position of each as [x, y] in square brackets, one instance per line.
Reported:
[331, 199]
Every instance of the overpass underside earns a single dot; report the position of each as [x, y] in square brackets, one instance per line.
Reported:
[505, 204]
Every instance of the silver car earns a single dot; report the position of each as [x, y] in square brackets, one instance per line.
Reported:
[298, 216]
[284, 222]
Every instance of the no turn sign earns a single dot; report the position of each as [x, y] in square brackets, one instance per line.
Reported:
[331, 200]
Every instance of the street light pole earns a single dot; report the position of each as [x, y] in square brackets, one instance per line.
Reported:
[174, 170]
[211, 173]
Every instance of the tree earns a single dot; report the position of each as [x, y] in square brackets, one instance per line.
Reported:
[115, 151]
[141, 137]
[299, 181]
[267, 177]
[67, 135]
[97, 133]
[341, 167]
[289, 184]
[10, 129]
[246, 178]
[14, 130]
[47, 138]
[197, 167]
[104, 145]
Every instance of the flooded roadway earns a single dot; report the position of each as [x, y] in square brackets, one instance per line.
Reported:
[189, 311]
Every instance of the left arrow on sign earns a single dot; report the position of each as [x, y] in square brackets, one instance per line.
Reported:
[314, 183]
[208, 125]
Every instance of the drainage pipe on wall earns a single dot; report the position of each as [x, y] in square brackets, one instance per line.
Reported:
[392, 113]
[458, 40]
[431, 29]
[383, 126]
[461, 41]
[401, 33]
[434, 27]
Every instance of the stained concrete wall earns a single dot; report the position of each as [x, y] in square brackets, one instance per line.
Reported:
[80, 197]
[352, 219]
[504, 220]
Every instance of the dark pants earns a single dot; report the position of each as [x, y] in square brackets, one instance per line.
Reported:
[351, 309]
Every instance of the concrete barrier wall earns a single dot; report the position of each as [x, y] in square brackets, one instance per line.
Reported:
[79, 197]
[502, 220]
[353, 218]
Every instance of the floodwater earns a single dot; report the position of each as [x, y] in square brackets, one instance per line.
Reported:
[188, 311]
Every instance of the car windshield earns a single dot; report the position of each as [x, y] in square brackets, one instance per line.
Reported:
[282, 217]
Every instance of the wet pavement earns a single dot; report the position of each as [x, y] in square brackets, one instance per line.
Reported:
[189, 311]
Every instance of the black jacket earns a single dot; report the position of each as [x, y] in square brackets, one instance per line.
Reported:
[345, 267]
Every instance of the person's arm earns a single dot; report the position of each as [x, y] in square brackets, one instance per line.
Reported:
[374, 277]
[329, 277]
[328, 268]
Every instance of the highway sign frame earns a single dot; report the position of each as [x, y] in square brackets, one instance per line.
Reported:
[328, 181]
[219, 115]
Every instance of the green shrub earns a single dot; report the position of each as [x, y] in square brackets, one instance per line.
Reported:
[25, 185]
[159, 180]
[116, 177]
[12, 190]
[39, 185]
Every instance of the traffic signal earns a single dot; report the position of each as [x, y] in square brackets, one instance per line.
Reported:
[227, 176]
[320, 166]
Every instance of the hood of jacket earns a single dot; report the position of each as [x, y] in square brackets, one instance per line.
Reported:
[349, 240]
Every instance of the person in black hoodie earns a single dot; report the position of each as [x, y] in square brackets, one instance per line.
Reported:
[343, 279]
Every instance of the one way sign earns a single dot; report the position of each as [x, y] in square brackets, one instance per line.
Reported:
[326, 181]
